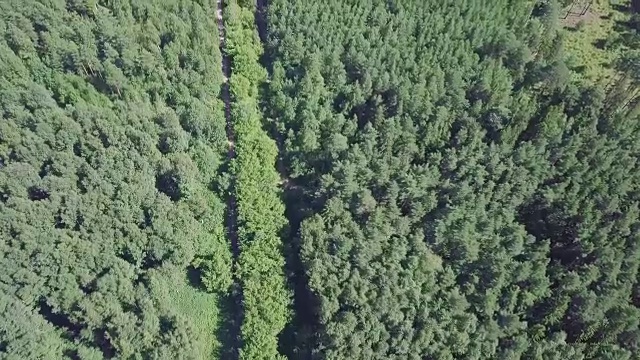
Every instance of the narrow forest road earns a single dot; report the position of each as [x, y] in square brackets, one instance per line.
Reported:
[261, 19]
[232, 215]
[235, 312]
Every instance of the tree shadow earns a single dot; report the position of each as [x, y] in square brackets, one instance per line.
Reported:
[59, 320]
[72, 330]
[231, 303]
[621, 7]
[298, 338]
[71, 354]
[230, 318]
[194, 278]
[549, 221]
[261, 19]
[627, 31]
[600, 44]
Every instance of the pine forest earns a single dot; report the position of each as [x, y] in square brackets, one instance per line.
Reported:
[320, 180]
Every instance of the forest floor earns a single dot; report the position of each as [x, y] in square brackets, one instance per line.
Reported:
[591, 38]
[230, 332]
[204, 309]
[587, 15]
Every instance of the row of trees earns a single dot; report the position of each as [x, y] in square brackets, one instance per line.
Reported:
[260, 210]
[111, 139]
[459, 195]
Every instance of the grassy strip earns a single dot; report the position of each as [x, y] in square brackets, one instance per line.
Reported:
[260, 209]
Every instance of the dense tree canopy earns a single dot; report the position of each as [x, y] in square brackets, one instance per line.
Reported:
[438, 183]
[461, 196]
[110, 142]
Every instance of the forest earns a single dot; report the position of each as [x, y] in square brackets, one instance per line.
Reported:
[455, 192]
[112, 144]
[339, 179]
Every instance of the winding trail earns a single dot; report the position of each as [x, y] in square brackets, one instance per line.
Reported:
[231, 343]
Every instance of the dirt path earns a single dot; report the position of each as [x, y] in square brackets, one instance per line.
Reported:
[231, 153]
[231, 338]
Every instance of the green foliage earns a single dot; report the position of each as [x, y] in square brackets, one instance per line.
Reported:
[110, 140]
[476, 204]
[260, 210]
[455, 191]
[595, 40]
